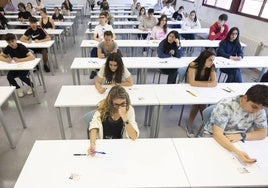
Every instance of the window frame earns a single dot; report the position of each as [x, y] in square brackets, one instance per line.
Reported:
[236, 7]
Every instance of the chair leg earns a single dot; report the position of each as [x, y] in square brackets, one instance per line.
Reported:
[182, 108]
[159, 78]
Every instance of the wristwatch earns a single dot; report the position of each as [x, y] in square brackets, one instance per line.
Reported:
[244, 136]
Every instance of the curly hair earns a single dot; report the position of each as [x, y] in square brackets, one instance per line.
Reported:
[106, 107]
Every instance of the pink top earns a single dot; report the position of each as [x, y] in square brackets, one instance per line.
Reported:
[158, 33]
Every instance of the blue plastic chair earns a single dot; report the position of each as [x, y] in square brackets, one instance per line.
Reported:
[206, 116]
[87, 119]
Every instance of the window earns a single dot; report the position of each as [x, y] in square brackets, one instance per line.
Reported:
[257, 9]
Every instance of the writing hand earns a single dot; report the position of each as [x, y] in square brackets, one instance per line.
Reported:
[15, 59]
[91, 150]
[102, 90]
[243, 156]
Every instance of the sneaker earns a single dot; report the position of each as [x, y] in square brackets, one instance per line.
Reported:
[46, 68]
[190, 132]
[20, 92]
[93, 74]
[29, 91]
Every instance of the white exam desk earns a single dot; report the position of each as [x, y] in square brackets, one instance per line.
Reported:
[27, 65]
[88, 44]
[60, 24]
[121, 24]
[57, 32]
[207, 164]
[88, 96]
[135, 32]
[176, 94]
[48, 45]
[143, 163]
[5, 93]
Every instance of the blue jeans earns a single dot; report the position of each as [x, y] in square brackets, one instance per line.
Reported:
[234, 75]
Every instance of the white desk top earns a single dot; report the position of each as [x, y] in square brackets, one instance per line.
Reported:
[138, 31]
[122, 23]
[22, 31]
[176, 94]
[155, 43]
[27, 65]
[207, 164]
[246, 62]
[87, 95]
[46, 44]
[18, 23]
[38, 17]
[5, 92]
[141, 163]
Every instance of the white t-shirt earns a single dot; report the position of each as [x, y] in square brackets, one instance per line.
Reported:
[167, 10]
[99, 30]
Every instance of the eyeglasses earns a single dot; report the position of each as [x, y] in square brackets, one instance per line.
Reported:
[123, 104]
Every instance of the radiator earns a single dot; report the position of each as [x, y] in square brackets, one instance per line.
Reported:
[254, 46]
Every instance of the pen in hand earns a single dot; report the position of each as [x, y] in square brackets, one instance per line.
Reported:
[84, 154]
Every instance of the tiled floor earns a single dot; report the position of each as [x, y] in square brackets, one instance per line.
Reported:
[42, 121]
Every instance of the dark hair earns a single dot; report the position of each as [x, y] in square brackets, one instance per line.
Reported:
[141, 9]
[108, 33]
[21, 4]
[223, 17]
[118, 74]
[105, 6]
[236, 41]
[30, 5]
[64, 5]
[159, 20]
[200, 63]
[195, 18]
[258, 94]
[181, 7]
[44, 10]
[106, 108]
[1, 9]
[175, 33]
[150, 11]
[33, 19]
[10, 37]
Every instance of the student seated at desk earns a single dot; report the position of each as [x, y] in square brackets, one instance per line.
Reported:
[231, 48]
[3, 19]
[23, 15]
[113, 72]
[240, 118]
[46, 22]
[57, 16]
[200, 73]
[170, 47]
[16, 53]
[9, 6]
[37, 34]
[107, 46]
[114, 118]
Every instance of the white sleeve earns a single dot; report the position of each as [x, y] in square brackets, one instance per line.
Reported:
[132, 120]
[101, 72]
[126, 73]
[96, 124]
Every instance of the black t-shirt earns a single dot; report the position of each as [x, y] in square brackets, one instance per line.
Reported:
[177, 16]
[24, 15]
[112, 129]
[20, 52]
[39, 33]
[57, 18]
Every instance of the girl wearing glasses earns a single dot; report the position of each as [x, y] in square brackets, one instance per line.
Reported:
[231, 48]
[114, 118]
[113, 72]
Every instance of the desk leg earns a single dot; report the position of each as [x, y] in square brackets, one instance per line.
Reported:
[74, 33]
[261, 74]
[60, 123]
[73, 77]
[42, 78]
[35, 87]
[69, 116]
[6, 130]
[50, 62]
[61, 45]
[156, 121]
[78, 77]
[15, 98]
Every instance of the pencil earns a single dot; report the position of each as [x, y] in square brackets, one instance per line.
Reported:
[191, 93]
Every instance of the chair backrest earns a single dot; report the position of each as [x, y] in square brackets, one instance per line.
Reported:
[182, 74]
[87, 119]
[206, 116]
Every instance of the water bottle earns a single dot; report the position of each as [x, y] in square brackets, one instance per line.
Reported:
[90, 26]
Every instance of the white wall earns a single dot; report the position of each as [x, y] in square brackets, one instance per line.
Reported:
[251, 28]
